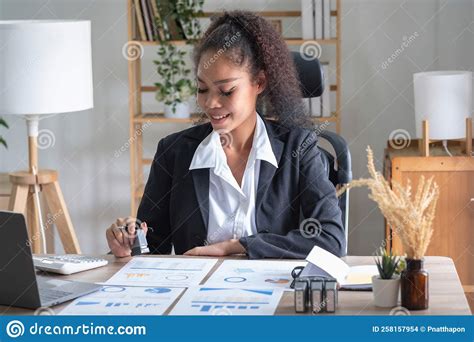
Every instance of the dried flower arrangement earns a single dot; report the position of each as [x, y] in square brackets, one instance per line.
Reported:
[410, 217]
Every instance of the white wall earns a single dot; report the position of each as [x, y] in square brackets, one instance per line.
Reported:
[376, 101]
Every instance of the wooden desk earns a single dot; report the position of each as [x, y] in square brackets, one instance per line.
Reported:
[446, 293]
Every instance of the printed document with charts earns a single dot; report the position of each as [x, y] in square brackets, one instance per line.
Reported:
[124, 300]
[169, 272]
[325, 264]
[274, 274]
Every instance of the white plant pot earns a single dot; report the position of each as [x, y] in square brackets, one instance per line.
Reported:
[386, 291]
[181, 112]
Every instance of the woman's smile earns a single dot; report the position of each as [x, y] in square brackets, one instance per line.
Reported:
[217, 119]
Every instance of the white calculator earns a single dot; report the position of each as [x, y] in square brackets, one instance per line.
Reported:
[67, 263]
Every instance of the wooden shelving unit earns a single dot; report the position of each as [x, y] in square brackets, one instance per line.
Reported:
[136, 89]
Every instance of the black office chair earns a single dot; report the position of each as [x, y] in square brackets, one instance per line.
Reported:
[338, 166]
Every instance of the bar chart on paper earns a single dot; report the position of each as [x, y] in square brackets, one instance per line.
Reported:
[176, 272]
[121, 300]
[227, 301]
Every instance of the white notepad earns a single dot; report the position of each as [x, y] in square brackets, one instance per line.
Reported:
[326, 264]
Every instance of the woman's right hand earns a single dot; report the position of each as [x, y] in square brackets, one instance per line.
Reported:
[119, 241]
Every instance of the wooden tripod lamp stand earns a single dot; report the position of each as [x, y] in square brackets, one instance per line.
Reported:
[424, 145]
[45, 69]
[443, 109]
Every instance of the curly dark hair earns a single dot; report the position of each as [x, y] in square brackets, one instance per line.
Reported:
[247, 39]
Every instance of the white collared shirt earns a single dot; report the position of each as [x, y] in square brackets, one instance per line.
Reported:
[232, 207]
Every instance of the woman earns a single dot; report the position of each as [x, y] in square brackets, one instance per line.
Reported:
[239, 183]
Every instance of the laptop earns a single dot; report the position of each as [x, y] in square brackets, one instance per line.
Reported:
[20, 285]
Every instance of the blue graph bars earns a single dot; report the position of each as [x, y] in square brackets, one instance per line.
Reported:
[208, 308]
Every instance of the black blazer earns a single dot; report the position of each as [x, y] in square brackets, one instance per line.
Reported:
[176, 200]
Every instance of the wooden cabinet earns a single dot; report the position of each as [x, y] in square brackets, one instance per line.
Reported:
[453, 234]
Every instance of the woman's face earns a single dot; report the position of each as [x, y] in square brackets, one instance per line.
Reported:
[226, 92]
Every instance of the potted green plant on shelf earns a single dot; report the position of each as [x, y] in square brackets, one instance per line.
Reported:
[2, 140]
[386, 284]
[175, 87]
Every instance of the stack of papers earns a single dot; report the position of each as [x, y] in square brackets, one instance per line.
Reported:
[149, 286]
[144, 286]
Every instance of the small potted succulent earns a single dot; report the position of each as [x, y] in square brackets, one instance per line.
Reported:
[386, 285]
[2, 140]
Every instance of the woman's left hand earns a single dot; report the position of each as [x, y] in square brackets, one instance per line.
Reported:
[223, 248]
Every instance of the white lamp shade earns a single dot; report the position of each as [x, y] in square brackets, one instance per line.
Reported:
[45, 66]
[444, 99]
